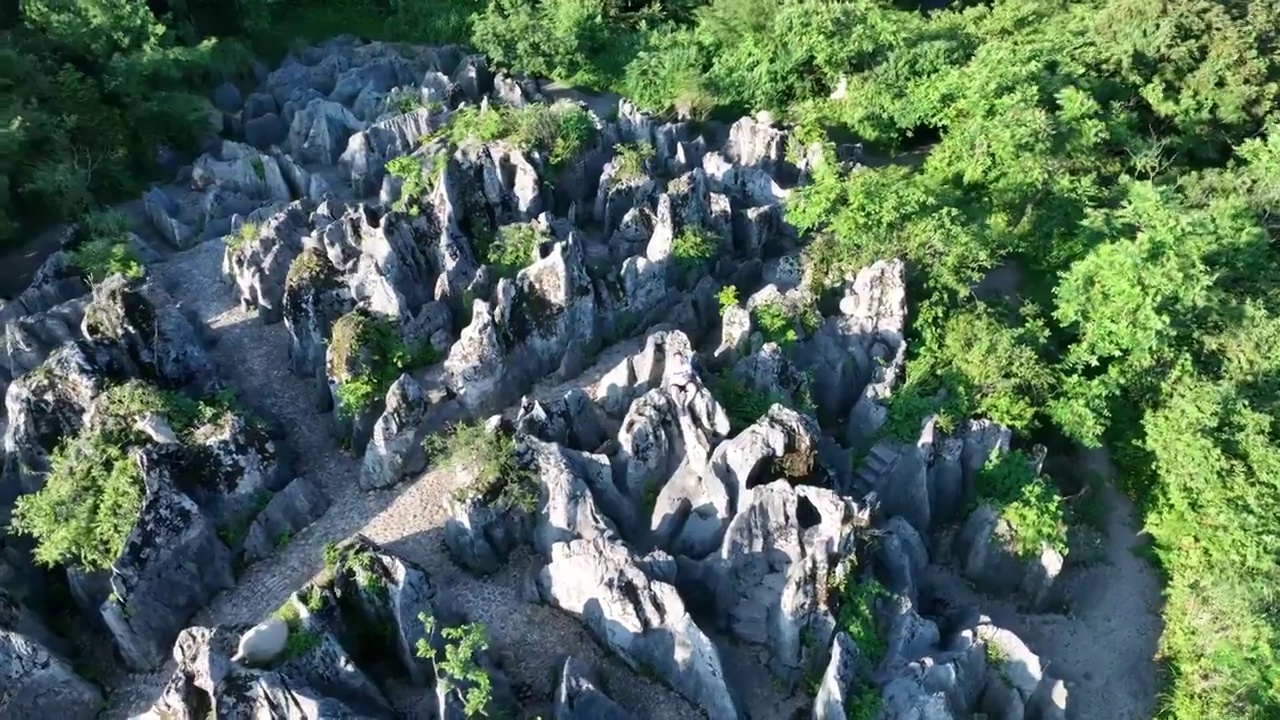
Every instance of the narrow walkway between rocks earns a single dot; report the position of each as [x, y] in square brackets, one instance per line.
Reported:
[253, 359]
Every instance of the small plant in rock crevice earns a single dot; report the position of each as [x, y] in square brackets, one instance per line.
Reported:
[244, 236]
[742, 403]
[408, 170]
[404, 100]
[489, 458]
[727, 298]
[632, 161]
[301, 639]
[512, 248]
[694, 247]
[783, 324]
[459, 671]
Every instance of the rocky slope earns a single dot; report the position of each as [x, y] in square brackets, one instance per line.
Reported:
[487, 379]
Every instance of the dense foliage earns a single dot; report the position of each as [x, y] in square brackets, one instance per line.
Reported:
[93, 492]
[1114, 160]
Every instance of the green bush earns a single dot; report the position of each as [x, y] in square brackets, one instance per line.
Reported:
[513, 248]
[408, 169]
[559, 131]
[367, 357]
[1028, 502]
[459, 671]
[87, 507]
[489, 459]
[102, 247]
[694, 247]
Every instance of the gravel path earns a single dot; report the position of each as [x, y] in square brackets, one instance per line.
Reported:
[532, 640]
[1104, 645]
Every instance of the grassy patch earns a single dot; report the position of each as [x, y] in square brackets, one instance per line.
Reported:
[245, 236]
[1028, 502]
[490, 460]
[632, 161]
[558, 131]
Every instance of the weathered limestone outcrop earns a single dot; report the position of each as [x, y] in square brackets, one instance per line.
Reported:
[36, 681]
[641, 619]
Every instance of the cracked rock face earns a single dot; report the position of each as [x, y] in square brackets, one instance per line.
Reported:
[643, 620]
[35, 680]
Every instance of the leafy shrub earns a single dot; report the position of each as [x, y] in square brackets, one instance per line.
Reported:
[102, 248]
[783, 323]
[855, 615]
[745, 405]
[489, 459]
[93, 493]
[87, 507]
[513, 248]
[368, 356]
[559, 131]
[408, 169]
[694, 247]
[727, 297]
[459, 671]
[1028, 502]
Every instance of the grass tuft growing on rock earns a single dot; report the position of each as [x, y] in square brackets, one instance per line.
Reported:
[301, 640]
[632, 161]
[243, 237]
[558, 131]
[489, 458]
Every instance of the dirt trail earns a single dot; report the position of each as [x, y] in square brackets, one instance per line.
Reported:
[1104, 646]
